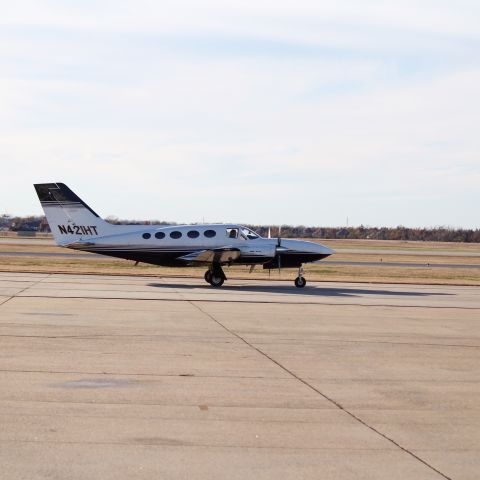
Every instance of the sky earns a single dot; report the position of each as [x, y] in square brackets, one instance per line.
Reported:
[259, 112]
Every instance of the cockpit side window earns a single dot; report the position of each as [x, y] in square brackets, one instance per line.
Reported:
[249, 234]
[232, 232]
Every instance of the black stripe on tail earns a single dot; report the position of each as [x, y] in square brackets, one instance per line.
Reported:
[59, 194]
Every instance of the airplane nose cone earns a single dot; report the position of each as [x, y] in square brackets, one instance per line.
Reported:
[309, 248]
[326, 250]
[315, 248]
[322, 249]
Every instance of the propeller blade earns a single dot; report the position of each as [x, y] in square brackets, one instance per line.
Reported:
[279, 238]
[279, 249]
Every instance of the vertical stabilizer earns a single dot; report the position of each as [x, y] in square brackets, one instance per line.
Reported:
[69, 217]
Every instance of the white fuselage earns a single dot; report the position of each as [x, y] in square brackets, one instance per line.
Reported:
[178, 245]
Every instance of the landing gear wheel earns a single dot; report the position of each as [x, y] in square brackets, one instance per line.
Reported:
[216, 280]
[300, 282]
[215, 276]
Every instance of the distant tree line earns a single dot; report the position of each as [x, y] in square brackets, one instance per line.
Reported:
[437, 234]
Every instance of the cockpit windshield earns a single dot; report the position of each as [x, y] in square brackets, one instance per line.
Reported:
[248, 234]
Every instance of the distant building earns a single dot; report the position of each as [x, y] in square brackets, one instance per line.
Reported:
[342, 233]
[43, 227]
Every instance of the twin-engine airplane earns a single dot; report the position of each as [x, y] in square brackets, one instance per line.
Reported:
[75, 225]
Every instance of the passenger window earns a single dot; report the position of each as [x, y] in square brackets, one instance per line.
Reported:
[146, 236]
[176, 234]
[232, 232]
[193, 234]
[209, 233]
[160, 235]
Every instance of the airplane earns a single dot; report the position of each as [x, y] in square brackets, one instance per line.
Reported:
[75, 225]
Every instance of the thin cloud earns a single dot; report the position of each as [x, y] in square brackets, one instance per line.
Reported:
[286, 112]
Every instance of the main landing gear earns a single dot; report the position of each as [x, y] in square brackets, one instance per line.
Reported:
[215, 276]
[300, 281]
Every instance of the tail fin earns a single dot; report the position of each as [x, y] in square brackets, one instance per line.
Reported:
[69, 217]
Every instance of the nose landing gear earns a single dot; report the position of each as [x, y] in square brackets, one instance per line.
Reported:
[300, 281]
[215, 276]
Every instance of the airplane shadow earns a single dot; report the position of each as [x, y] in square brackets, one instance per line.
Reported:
[308, 290]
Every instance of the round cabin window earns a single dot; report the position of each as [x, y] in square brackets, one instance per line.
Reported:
[210, 233]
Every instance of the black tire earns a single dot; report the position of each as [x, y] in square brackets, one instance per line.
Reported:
[217, 280]
[300, 282]
[208, 276]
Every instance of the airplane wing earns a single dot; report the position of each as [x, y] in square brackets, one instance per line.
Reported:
[217, 255]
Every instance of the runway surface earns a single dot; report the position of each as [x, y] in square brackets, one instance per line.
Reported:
[120, 377]
[445, 250]
[324, 262]
[26, 241]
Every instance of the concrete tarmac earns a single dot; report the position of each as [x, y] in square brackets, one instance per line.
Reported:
[121, 377]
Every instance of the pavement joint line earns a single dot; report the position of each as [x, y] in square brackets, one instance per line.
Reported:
[188, 337]
[219, 406]
[190, 375]
[202, 290]
[170, 419]
[120, 374]
[265, 302]
[326, 397]
[157, 404]
[5, 301]
[15, 281]
[202, 420]
[425, 281]
[132, 278]
[373, 342]
[198, 445]
[216, 340]
[18, 294]
[221, 340]
[117, 282]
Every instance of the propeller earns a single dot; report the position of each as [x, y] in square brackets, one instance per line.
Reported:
[279, 249]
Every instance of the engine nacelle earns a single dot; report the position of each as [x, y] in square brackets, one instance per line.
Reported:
[261, 250]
